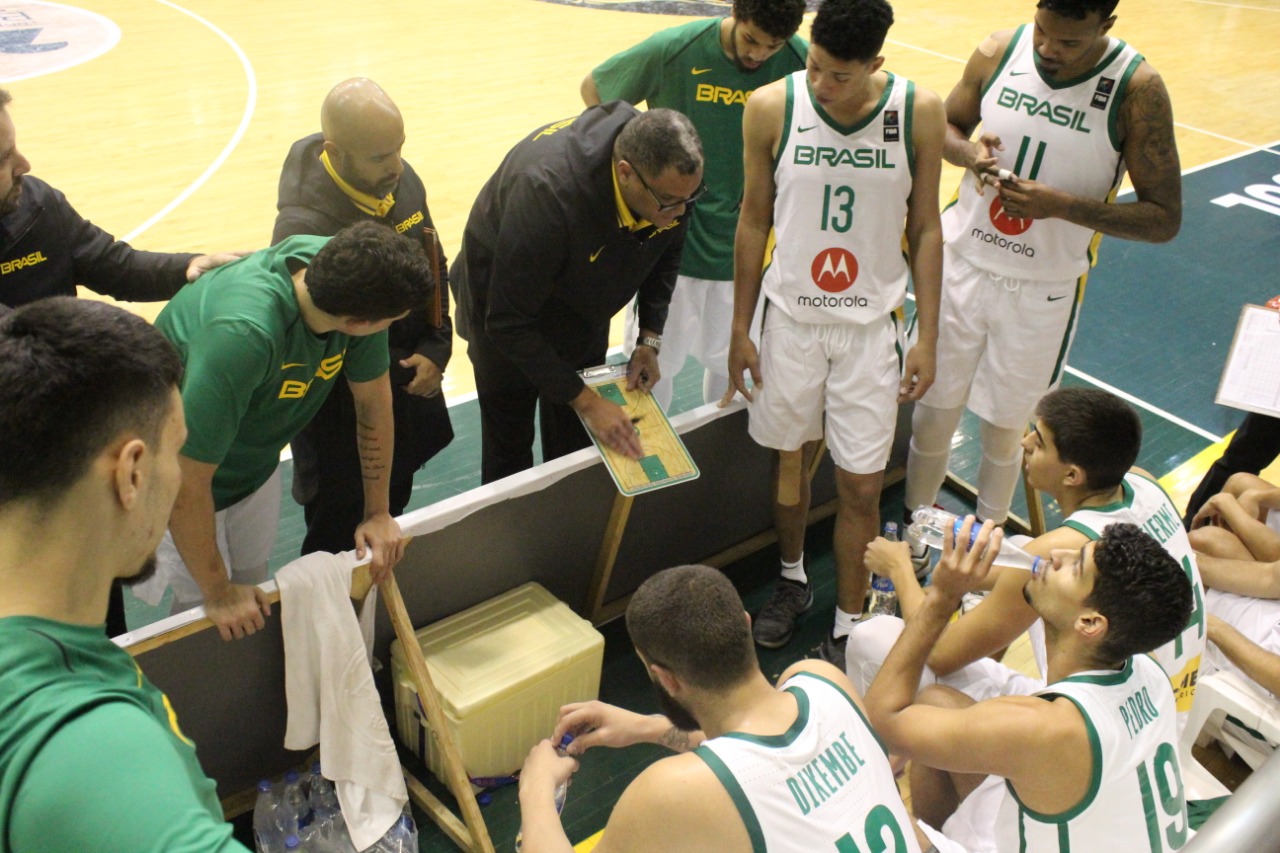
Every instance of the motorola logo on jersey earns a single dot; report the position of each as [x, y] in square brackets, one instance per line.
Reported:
[1006, 224]
[834, 270]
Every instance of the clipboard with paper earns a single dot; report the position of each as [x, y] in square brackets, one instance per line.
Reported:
[1251, 377]
[666, 460]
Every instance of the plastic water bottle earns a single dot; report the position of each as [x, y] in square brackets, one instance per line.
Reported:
[401, 838]
[562, 790]
[332, 836]
[323, 798]
[312, 838]
[295, 811]
[884, 598]
[267, 837]
[930, 525]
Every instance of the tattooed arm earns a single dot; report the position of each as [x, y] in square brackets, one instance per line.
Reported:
[597, 723]
[1151, 155]
[375, 440]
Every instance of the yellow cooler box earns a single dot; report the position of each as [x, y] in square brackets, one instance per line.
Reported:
[503, 669]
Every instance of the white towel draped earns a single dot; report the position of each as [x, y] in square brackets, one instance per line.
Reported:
[330, 692]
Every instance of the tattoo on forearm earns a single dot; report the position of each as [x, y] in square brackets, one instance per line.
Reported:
[369, 446]
[1151, 154]
[675, 740]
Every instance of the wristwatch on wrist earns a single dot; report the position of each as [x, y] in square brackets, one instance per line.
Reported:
[654, 341]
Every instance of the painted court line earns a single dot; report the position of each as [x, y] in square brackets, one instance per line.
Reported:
[916, 47]
[251, 103]
[1195, 129]
[1137, 401]
[1182, 125]
[1236, 6]
[1268, 148]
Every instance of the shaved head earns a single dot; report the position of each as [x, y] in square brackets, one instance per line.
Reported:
[355, 107]
[363, 133]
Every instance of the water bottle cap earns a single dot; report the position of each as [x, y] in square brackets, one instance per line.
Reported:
[890, 527]
[315, 768]
[264, 785]
[291, 842]
[291, 776]
[566, 739]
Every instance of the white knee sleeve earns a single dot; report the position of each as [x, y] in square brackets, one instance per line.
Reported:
[999, 471]
[931, 432]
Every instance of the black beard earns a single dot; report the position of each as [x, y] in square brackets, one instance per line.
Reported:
[9, 203]
[678, 714]
[144, 573]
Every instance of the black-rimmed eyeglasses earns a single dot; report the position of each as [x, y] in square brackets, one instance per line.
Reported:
[665, 206]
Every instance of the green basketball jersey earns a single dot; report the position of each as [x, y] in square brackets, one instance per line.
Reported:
[684, 68]
[255, 374]
[91, 755]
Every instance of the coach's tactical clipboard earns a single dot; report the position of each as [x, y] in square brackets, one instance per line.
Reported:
[666, 460]
[1251, 377]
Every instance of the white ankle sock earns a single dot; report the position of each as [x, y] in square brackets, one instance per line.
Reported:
[795, 571]
[844, 623]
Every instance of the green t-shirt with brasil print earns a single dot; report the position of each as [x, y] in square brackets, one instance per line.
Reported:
[255, 374]
[684, 68]
[91, 753]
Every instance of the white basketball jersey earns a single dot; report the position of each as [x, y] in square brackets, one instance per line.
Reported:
[823, 785]
[1146, 505]
[841, 208]
[1136, 800]
[1062, 134]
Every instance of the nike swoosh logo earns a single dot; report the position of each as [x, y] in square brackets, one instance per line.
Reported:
[596, 254]
[1018, 73]
[805, 129]
[293, 364]
[1056, 298]
[699, 70]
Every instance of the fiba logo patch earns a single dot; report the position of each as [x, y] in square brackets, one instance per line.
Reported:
[834, 270]
[38, 38]
[1006, 224]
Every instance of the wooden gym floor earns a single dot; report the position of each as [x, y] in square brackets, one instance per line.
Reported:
[172, 137]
